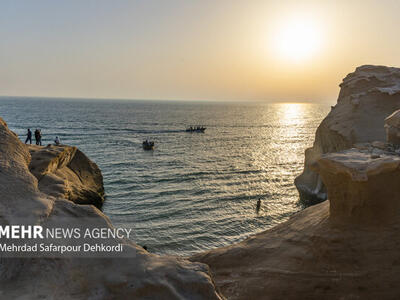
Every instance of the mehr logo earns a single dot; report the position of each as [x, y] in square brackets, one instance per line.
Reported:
[21, 232]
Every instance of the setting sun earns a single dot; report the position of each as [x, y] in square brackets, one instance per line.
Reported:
[297, 40]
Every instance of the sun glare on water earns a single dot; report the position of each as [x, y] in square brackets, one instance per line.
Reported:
[297, 39]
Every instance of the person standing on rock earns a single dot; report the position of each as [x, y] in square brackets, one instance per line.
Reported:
[38, 137]
[57, 141]
[29, 136]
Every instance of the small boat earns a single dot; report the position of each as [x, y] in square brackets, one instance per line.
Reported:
[196, 129]
[147, 145]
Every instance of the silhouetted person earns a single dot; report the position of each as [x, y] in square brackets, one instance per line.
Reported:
[29, 137]
[38, 137]
[57, 141]
[258, 205]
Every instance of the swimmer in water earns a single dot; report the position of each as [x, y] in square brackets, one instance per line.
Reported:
[258, 205]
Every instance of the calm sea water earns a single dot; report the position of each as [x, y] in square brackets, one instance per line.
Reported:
[194, 191]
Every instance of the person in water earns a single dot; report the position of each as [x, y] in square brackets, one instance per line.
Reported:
[258, 205]
[29, 136]
[57, 141]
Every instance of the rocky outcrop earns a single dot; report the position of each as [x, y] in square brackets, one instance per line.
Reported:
[362, 184]
[64, 171]
[35, 193]
[367, 97]
[392, 126]
[344, 248]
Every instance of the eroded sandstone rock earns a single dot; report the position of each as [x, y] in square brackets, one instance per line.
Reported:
[64, 171]
[367, 97]
[362, 185]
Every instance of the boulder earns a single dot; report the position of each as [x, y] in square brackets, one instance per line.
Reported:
[64, 171]
[362, 185]
[367, 97]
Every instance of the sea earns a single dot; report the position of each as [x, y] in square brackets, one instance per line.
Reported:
[194, 191]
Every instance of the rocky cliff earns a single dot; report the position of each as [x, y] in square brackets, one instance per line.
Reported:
[367, 97]
[64, 171]
[344, 248]
[41, 186]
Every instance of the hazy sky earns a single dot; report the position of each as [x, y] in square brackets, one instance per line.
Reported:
[192, 49]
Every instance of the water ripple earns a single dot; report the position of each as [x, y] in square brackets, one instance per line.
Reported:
[194, 191]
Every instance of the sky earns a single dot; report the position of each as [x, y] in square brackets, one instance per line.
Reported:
[291, 51]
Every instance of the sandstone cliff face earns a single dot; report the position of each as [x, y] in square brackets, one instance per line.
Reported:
[344, 248]
[367, 97]
[38, 191]
[362, 185]
[64, 171]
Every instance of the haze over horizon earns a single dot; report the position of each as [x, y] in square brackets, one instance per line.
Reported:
[194, 50]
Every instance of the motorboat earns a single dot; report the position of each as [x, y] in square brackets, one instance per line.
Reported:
[196, 129]
[148, 145]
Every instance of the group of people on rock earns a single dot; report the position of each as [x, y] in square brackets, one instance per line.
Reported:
[38, 137]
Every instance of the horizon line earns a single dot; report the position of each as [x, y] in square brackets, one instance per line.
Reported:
[171, 100]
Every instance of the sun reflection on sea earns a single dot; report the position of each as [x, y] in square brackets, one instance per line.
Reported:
[292, 118]
[280, 153]
[292, 113]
